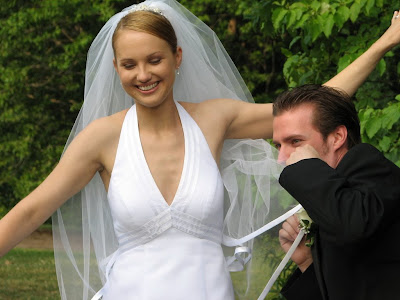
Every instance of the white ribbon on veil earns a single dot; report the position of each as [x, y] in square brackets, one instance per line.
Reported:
[84, 238]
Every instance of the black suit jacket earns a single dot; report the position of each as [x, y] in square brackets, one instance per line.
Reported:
[356, 207]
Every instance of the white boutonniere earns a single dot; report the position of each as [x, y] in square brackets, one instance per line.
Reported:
[306, 225]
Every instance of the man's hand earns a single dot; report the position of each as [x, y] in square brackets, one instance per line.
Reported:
[302, 255]
[302, 152]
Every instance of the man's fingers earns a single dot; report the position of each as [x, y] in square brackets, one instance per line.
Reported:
[302, 152]
[291, 232]
[294, 222]
[285, 240]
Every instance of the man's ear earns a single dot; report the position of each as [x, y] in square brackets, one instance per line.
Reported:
[339, 137]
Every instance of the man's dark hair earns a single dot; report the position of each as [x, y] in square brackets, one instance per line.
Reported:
[333, 108]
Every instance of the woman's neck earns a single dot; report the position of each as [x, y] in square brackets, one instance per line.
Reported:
[164, 117]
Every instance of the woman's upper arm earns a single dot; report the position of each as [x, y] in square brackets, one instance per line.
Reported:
[78, 165]
[80, 162]
[249, 120]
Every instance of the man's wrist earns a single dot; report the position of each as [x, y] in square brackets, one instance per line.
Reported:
[303, 267]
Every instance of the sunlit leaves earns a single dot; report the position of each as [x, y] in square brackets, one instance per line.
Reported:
[378, 124]
[324, 37]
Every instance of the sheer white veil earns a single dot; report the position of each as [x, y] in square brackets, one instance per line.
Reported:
[83, 233]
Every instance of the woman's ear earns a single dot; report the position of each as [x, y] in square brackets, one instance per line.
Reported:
[339, 136]
[178, 57]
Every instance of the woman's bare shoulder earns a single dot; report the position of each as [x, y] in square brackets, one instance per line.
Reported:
[205, 106]
[101, 134]
[107, 126]
[97, 141]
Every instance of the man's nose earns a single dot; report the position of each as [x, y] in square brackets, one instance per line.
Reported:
[283, 155]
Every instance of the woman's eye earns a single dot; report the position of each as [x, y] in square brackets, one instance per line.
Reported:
[128, 66]
[155, 61]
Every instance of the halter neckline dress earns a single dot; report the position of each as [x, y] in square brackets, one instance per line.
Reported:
[167, 251]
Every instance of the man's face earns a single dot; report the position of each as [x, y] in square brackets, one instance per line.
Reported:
[294, 128]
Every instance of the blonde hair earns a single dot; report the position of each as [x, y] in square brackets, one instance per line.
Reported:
[148, 22]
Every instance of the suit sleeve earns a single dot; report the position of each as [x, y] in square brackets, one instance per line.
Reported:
[302, 286]
[351, 202]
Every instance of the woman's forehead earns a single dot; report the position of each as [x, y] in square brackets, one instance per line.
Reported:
[130, 42]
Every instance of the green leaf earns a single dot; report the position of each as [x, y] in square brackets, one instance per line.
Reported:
[370, 4]
[364, 116]
[277, 17]
[362, 3]
[316, 28]
[303, 19]
[286, 52]
[391, 115]
[294, 41]
[341, 16]
[344, 61]
[325, 7]
[299, 5]
[329, 22]
[355, 11]
[381, 67]
[372, 126]
[385, 143]
[292, 18]
[389, 54]
[315, 5]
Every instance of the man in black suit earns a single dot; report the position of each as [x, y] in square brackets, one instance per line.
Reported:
[350, 191]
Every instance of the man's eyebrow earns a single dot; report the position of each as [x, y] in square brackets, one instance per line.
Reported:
[293, 136]
[289, 138]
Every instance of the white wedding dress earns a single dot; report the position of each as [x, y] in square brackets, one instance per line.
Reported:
[167, 252]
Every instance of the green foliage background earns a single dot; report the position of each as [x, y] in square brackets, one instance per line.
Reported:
[275, 45]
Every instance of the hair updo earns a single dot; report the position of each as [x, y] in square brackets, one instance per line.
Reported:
[147, 22]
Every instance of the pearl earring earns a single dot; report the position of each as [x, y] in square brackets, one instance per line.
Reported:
[177, 71]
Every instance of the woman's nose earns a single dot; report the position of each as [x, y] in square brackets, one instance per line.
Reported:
[143, 74]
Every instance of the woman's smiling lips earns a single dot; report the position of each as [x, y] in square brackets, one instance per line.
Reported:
[147, 88]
